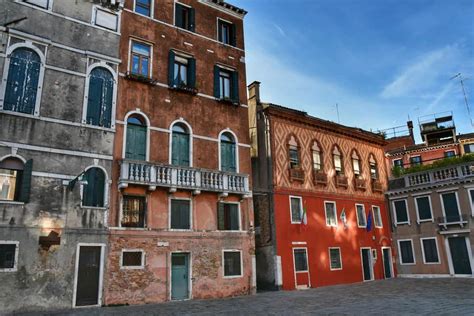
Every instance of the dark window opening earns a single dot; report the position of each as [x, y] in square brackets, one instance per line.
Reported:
[301, 263]
[132, 259]
[7, 256]
[232, 263]
[180, 214]
[133, 211]
[228, 216]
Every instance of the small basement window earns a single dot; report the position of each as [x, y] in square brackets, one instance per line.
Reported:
[133, 259]
[232, 263]
[8, 256]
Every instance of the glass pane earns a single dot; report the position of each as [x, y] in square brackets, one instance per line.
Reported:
[377, 216]
[300, 260]
[423, 204]
[335, 258]
[401, 211]
[356, 166]
[430, 250]
[330, 214]
[141, 49]
[183, 74]
[7, 256]
[133, 212]
[316, 160]
[226, 88]
[232, 263]
[296, 211]
[337, 162]
[176, 72]
[144, 67]
[135, 64]
[406, 251]
[8, 180]
[361, 215]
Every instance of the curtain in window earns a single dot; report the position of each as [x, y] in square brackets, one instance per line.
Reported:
[93, 192]
[100, 96]
[22, 81]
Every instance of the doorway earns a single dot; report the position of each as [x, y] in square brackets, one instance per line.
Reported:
[366, 258]
[460, 256]
[387, 262]
[179, 276]
[88, 278]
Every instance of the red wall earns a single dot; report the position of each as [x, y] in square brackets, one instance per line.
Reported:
[319, 238]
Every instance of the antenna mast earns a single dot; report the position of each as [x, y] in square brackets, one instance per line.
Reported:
[337, 110]
[465, 96]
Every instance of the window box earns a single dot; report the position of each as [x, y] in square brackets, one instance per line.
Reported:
[341, 181]
[320, 177]
[136, 77]
[377, 186]
[297, 174]
[185, 88]
[360, 184]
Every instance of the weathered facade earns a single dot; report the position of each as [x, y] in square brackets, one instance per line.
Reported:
[319, 203]
[181, 220]
[58, 67]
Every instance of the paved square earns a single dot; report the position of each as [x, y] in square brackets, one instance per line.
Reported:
[389, 297]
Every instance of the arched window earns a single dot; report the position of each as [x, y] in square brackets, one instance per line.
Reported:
[94, 188]
[293, 153]
[337, 161]
[100, 96]
[374, 174]
[135, 147]
[180, 145]
[356, 164]
[317, 157]
[228, 153]
[22, 81]
[15, 179]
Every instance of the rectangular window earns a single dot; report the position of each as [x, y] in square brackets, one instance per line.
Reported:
[337, 164]
[133, 211]
[405, 249]
[401, 212]
[377, 216]
[361, 219]
[356, 167]
[184, 17]
[373, 171]
[294, 157]
[180, 214]
[9, 185]
[450, 207]
[133, 259]
[469, 148]
[423, 207]
[398, 163]
[331, 213]
[232, 263]
[140, 59]
[335, 258]
[430, 250]
[8, 256]
[40, 3]
[143, 7]
[224, 84]
[228, 216]
[316, 160]
[415, 161]
[226, 32]
[449, 153]
[296, 205]
[301, 260]
[106, 19]
[181, 71]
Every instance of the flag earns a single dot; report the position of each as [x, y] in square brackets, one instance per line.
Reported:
[303, 217]
[369, 222]
[343, 217]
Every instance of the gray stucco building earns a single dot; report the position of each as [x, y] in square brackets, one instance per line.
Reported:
[58, 67]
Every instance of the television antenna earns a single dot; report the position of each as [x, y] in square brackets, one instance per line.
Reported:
[461, 80]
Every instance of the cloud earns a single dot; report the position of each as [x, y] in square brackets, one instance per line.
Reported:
[279, 29]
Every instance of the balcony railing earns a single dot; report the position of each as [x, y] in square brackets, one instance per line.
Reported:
[434, 176]
[177, 177]
[446, 221]
[320, 177]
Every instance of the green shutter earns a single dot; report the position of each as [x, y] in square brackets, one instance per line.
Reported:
[228, 157]
[175, 149]
[232, 158]
[25, 187]
[217, 92]
[171, 59]
[184, 150]
[192, 19]
[233, 216]
[233, 35]
[107, 99]
[220, 216]
[89, 189]
[99, 187]
[136, 142]
[235, 87]
[179, 16]
[192, 73]
[94, 100]
[219, 31]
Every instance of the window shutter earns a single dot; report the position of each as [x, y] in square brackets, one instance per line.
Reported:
[233, 35]
[219, 31]
[224, 156]
[99, 188]
[175, 149]
[192, 73]
[184, 150]
[88, 193]
[107, 103]
[179, 16]
[130, 142]
[235, 87]
[94, 100]
[232, 158]
[220, 216]
[217, 92]
[136, 142]
[171, 58]
[192, 19]
[25, 188]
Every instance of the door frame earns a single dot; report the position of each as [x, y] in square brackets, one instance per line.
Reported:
[450, 258]
[190, 273]
[391, 262]
[101, 273]
[370, 263]
[294, 266]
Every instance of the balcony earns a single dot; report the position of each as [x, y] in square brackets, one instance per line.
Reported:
[176, 177]
[320, 177]
[341, 181]
[360, 184]
[444, 222]
[377, 186]
[297, 174]
[435, 176]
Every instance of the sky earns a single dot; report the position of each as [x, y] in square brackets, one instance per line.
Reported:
[380, 61]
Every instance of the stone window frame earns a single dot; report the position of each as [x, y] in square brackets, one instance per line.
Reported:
[191, 140]
[455, 191]
[236, 142]
[340, 258]
[357, 215]
[96, 8]
[241, 264]
[17, 250]
[140, 267]
[400, 252]
[191, 226]
[107, 182]
[335, 213]
[132, 40]
[396, 222]
[423, 250]
[379, 211]
[415, 199]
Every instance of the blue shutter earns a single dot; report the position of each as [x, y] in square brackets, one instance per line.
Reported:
[217, 92]
[171, 59]
[25, 188]
[192, 73]
[235, 87]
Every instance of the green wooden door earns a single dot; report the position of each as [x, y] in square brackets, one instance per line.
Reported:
[180, 149]
[460, 255]
[179, 276]
[136, 142]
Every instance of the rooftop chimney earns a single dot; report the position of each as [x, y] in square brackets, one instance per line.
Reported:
[254, 91]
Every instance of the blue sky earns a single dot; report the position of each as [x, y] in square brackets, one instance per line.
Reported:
[380, 61]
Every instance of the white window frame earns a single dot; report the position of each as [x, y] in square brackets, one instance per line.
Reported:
[471, 202]
[400, 252]
[357, 216]
[330, 263]
[39, 90]
[240, 217]
[152, 9]
[49, 8]
[190, 213]
[130, 47]
[140, 267]
[294, 261]
[241, 264]
[96, 8]
[418, 220]
[106, 189]
[457, 201]
[17, 250]
[335, 212]
[423, 250]
[414, 156]
[395, 212]
[379, 211]
[301, 209]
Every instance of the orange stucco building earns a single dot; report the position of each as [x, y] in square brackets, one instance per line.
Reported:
[319, 205]
[181, 219]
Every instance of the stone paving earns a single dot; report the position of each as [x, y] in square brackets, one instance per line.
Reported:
[389, 297]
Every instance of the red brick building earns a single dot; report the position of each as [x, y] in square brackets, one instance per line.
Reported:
[318, 190]
[181, 219]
